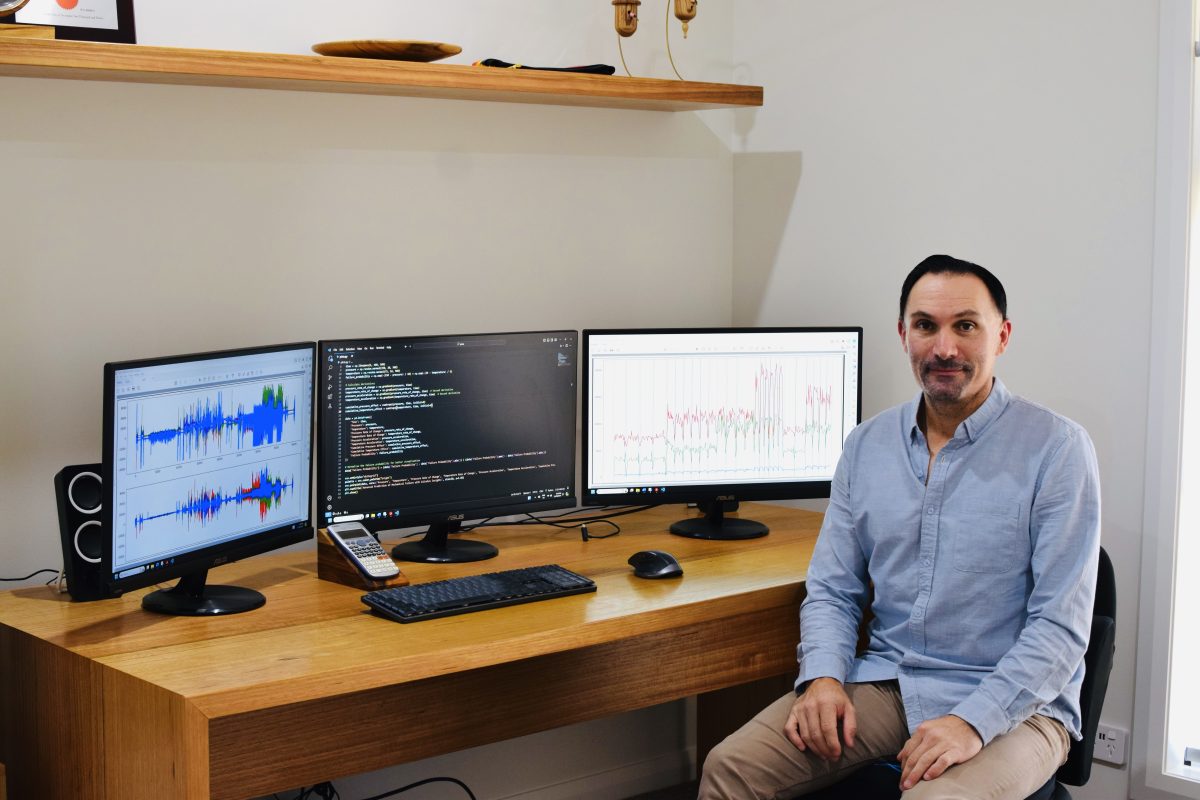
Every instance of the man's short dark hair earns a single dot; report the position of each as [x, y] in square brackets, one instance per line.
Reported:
[937, 265]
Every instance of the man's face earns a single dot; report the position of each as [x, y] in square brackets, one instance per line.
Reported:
[952, 332]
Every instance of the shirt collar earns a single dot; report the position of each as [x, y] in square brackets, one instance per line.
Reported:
[973, 426]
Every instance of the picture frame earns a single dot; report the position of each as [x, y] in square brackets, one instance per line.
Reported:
[80, 20]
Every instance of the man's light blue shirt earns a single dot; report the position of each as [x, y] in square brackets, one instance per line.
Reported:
[983, 571]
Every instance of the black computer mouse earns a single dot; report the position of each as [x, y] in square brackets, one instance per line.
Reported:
[655, 564]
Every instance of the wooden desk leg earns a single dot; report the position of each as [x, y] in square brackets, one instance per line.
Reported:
[51, 718]
[722, 712]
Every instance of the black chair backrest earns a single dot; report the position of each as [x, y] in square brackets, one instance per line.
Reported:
[1098, 662]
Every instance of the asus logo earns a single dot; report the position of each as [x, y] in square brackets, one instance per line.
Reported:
[220, 560]
[726, 498]
[456, 517]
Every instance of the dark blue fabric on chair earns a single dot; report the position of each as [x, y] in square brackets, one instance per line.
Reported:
[881, 779]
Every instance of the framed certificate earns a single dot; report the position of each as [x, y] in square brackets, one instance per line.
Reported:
[89, 20]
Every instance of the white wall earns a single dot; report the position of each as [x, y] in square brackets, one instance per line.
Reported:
[1019, 135]
[143, 220]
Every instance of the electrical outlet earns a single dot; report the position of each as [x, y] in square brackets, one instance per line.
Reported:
[1110, 745]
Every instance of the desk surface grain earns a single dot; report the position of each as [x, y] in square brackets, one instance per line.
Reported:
[213, 698]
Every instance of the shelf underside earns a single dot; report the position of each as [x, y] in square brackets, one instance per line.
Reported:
[40, 58]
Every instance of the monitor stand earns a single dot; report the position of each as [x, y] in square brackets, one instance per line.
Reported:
[438, 548]
[715, 525]
[191, 597]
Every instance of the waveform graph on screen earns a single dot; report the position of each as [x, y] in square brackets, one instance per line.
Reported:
[725, 419]
[202, 505]
[180, 427]
[211, 507]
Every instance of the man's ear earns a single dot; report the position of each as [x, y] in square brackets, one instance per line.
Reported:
[1005, 335]
[903, 334]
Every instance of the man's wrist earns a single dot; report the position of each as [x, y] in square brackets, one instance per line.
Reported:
[803, 687]
[969, 725]
[987, 719]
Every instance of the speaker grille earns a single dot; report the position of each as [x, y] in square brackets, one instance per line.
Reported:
[87, 541]
[84, 492]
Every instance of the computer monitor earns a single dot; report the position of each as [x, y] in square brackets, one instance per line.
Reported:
[716, 415]
[437, 430]
[207, 459]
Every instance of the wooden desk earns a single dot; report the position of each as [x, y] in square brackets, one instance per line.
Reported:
[104, 700]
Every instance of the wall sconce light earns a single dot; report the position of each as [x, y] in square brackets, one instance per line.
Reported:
[626, 16]
[685, 10]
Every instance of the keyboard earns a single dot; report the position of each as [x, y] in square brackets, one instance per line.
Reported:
[476, 593]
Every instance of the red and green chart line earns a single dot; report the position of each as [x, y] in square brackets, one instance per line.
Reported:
[207, 422]
[204, 504]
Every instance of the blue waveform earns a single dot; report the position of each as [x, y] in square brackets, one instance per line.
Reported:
[205, 504]
[202, 423]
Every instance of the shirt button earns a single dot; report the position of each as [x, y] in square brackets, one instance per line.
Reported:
[931, 511]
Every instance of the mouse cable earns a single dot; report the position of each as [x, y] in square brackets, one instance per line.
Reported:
[31, 575]
[588, 535]
[567, 517]
[564, 521]
[424, 530]
[617, 510]
[563, 517]
[394, 792]
[581, 524]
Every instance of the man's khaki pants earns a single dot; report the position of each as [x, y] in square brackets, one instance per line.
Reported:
[757, 762]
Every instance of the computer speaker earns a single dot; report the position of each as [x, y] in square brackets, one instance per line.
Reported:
[80, 493]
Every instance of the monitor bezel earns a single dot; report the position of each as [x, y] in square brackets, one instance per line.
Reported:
[699, 493]
[211, 556]
[452, 516]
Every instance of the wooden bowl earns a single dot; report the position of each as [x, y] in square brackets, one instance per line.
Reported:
[393, 49]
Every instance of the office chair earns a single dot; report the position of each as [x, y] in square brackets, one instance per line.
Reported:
[880, 780]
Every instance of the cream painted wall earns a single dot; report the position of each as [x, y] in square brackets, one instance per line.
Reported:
[143, 220]
[1019, 135]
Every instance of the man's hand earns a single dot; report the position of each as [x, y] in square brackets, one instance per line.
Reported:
[934, 747]
[813, 723]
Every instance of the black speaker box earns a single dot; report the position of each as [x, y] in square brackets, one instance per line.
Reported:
[80, 496]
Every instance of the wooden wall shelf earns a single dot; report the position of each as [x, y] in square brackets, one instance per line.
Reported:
[22, 57]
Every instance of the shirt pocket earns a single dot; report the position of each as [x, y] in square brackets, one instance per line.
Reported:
[986, 537]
